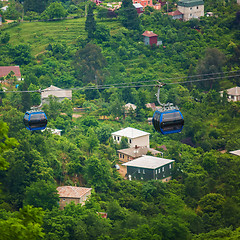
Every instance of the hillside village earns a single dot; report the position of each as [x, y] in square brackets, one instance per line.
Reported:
[99, 71]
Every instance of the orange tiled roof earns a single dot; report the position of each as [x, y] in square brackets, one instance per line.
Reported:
[149, 34]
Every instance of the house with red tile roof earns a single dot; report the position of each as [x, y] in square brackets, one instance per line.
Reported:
[68, 194]
[151, 38]
[5, 70]
[176, 15]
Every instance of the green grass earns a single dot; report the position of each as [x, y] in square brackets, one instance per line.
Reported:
[40, 34]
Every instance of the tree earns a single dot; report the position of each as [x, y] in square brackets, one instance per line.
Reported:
[128, 15]
[25, 224]
[89, 63]
[56, 10]
[42, 194]
[6, 143]
[35, 5]
[212, 63]
[90, 24]
[21, 54]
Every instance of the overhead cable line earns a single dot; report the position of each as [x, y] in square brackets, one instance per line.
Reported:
[132, 84]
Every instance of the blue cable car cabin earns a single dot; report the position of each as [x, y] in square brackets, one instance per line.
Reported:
[167, 122]
[35, 120]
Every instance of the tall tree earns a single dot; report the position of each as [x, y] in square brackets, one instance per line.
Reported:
[89, 62]
[90, 24]
[129, 16]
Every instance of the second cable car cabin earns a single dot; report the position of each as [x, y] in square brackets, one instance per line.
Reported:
[35, 120]
[167, 122]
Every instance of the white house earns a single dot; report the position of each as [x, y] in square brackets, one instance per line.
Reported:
[191, 9]
[135, 137]
[59, 93]
[233, 94]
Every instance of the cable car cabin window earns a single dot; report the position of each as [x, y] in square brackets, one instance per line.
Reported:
[171, 116]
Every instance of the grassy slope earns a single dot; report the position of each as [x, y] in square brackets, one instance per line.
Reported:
[40, 34]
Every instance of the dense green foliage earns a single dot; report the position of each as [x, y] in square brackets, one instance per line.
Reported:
[202, 201]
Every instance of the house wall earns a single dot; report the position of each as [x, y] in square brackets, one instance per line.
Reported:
[140, 141]
[124, 157]
[161, 173]
[191, 12]
[64, 201]
[178, 17]
[153, 40]
[59, 99]
[146, 40]
[233, 98]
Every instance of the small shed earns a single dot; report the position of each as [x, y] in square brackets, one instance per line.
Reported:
[150, 38]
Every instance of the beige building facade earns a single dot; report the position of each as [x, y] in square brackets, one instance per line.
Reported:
[191, 9]
[77, 195]
[135, 137]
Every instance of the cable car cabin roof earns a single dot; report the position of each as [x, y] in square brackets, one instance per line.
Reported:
[35, 120]
[168, 122]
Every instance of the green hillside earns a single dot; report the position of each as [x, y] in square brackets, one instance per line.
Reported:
[107, 66]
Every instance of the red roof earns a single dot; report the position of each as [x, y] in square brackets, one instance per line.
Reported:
[5, 70]
[149, 34]
[72, 192]
[175, 13]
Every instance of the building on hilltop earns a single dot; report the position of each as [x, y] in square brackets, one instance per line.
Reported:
[135, 136]
[191, 9]
[132, 153]
[5, 70]
[68, 194]
[59, 93]
[149, 167]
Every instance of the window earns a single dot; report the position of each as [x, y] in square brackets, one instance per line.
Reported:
[190, 8]
[156, 171]
[190, 14]
[170, 166]
[159, 170]
[141, 178]
[162, 169]
[139, 170]
[114, 137]
[120, 155]
[143, 171]
[118, 138]
[63, 199]
[130, 140]
[123, 156]
[163, 175]
[197, 7]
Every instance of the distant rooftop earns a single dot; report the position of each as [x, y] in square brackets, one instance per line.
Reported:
[235, 91]
[137, 5]
[138, 151]
[149, 34]
[190, 3]
[72, 192]
[130, 133]
[236, 152]
[57, 92]
[149, 162]
[175, 13]
[5, 70]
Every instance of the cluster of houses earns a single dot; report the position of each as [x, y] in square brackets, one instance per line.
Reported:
[139, 159]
